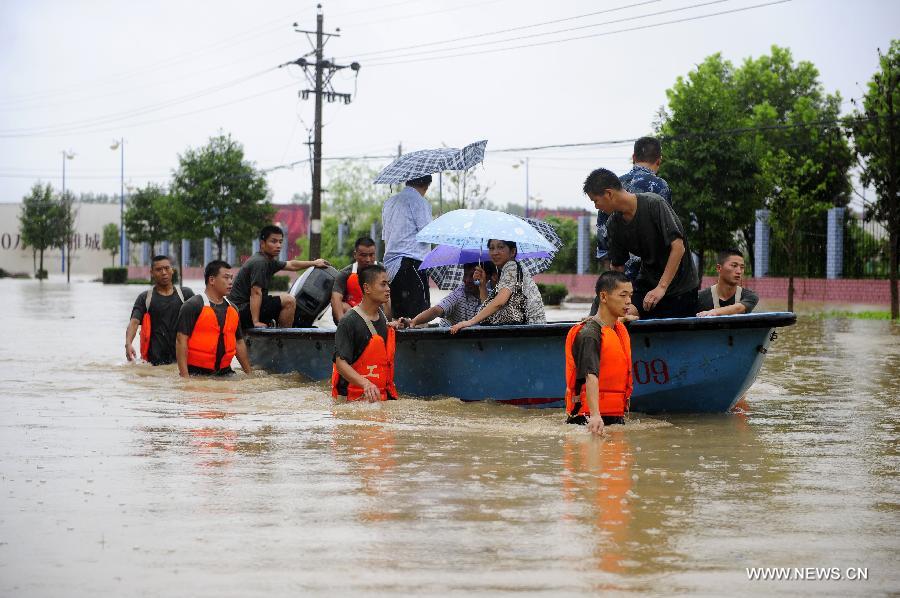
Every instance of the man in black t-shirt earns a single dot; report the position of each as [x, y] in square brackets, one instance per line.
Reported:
[208, 348]
[730, 298]
[157, 310]
[645, 225]
[250, 293]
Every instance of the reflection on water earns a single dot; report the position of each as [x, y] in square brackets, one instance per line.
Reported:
[123, 479]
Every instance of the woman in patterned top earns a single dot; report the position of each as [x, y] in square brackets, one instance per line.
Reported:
[514, 289]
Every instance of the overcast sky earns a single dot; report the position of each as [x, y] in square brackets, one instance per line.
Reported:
[166, 75]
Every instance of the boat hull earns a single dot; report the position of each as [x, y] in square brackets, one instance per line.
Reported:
[683, 365]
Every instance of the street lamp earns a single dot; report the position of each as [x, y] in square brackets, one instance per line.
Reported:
[516, 165]
[120, 144]
[66, 155]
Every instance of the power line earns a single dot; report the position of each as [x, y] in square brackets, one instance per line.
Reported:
[508, 30]
[576, 38]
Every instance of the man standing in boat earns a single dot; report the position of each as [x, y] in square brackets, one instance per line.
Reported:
[598, 359]
[209, 332]
[402, 217]
[156, 312]
[727, 297]
[346, 292]
[645, 225]
[250, 293]
[364, 344]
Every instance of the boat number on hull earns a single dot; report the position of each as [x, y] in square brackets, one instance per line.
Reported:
[656, 371]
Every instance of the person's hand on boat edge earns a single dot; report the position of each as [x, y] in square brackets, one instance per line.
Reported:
[320, 263]
[399, 323]
[260, 325]
[459, 326]
[595, 425]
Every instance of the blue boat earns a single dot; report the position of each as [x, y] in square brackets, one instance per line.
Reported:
[681, 365]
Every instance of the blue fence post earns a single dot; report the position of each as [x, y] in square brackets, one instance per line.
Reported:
[761, 245]
[584, 244]
[231, 255]
[145, 254]
[834, 264]
[255, 246]
[165, 248]
[207, 251]
[185, 254]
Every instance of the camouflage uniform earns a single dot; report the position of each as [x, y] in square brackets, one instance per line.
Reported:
[639, 179]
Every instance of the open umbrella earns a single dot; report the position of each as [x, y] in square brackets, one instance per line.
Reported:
[417, 164]
[448, 276]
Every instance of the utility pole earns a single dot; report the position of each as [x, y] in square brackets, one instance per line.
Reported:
[319, 75]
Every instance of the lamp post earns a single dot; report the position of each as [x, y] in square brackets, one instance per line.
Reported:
[527, 194]
[119, 144]
[66, 155]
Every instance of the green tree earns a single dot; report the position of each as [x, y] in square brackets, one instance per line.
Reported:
[806, 155]
[876, 139]
[463, 190]
[144, 220]
[351, 196]
[111, 240]
[40, 222]
[714, 175]
[216, 193]
[566, 259]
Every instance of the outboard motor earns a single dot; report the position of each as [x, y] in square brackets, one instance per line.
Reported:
[312, 290]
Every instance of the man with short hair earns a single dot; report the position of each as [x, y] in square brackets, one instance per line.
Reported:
[645, 225]
[402, 217]
[364, 344]
[209, 332]
[727, 297]
[641, 178]
[460, 305]
[598, 359]
[250, 293]
[156, 312]
[346, 292]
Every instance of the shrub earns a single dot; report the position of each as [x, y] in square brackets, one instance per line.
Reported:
[280, 283]
[552, 294]
[115, 275]
[41, 275]
[5, 274]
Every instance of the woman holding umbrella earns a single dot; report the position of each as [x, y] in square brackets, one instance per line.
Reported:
[515, 299]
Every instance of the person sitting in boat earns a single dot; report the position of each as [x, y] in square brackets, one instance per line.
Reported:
[727, 297]
[463, 303]
[598, 359]
[515, 299]
[364, 344]
[645, 225]
[346, 292]
[156, 312]
[209, 331]
[250, 292]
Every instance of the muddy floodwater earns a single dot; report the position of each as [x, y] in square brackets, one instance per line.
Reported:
[120, 479]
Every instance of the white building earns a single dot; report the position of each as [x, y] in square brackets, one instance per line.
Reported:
[87, 258]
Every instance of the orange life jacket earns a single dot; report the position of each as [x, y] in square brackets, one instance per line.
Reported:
[615, 373]
[146, 324]
[353, 296]
[204, 340]
[376, 363]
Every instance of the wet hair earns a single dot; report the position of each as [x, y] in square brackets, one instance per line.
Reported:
[647, 149]
[364, 242]
[159, 258]
[600, 180]
[213, 268]
[488, 266]
[269, 230]
[608, 281]
[724, 254]
[510, 244]
[422, 181]
[368, 274]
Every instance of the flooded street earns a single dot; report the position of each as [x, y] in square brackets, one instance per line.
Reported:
[121, 479]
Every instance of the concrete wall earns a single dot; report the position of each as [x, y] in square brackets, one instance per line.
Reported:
[88, 257]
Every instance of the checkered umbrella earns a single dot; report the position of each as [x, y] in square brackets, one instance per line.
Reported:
[417, 164]
[451, 276]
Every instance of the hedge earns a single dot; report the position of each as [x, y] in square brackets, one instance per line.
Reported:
[115, 275]
[552, 294]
